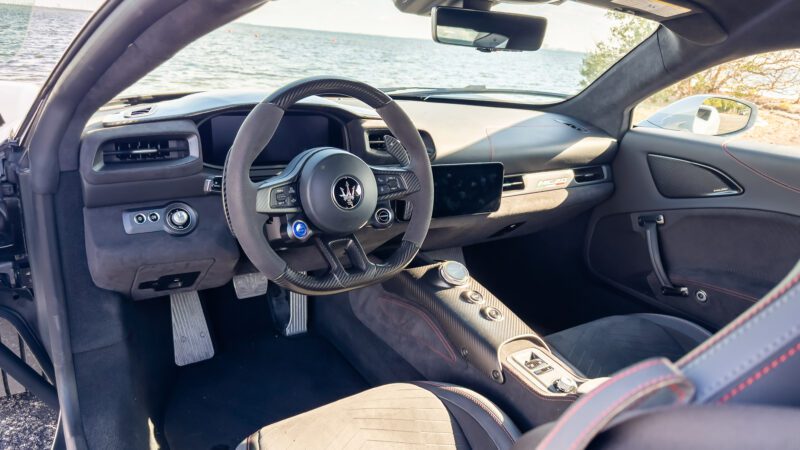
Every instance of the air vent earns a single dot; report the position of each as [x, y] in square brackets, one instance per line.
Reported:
[139, 150]
[589, 174]
[376, 142]
[572, 125]
[513, 183]
[139, 111]
[375, 138]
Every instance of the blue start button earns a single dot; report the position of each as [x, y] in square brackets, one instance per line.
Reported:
[299, 229]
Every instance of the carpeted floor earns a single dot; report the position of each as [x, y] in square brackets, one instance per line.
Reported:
[255, 378]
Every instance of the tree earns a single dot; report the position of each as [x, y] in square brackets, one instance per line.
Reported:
[627, 32]
[759, 78]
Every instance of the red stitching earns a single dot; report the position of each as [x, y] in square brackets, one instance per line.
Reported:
[741, 295]
[583, 400]
[758, 172]
[619, 402]
[755, 309]
[760, 374]
[428, 320]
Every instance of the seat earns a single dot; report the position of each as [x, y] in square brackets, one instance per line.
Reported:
[745, 375]
[604, 346]
[397, 416]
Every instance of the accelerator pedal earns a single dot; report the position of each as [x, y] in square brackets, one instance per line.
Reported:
[298, 314]
[190, 337]
[289, 310]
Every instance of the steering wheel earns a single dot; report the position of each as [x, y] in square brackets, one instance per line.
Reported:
[325, 193]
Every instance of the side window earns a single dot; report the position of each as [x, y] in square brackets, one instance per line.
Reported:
[756, 98]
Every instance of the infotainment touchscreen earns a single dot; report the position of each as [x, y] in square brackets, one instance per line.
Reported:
[461, 189]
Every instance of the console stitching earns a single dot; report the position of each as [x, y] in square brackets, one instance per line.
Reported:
[427, 320]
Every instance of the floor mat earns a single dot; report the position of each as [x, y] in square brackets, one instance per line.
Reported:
[215, 404]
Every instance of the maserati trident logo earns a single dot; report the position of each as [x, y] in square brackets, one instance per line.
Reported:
[347, 192]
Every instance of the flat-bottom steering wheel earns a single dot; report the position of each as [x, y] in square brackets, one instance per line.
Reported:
[334, 190]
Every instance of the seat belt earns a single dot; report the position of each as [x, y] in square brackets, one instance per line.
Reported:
[655, 382]
[755, 359]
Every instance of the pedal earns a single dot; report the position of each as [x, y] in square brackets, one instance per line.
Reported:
[190, 337]
[289, 310]
[249, 285]
[298, 314]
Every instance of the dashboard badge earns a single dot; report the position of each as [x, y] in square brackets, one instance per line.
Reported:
[347, 192]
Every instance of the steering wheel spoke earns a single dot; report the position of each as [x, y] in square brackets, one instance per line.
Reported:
[352, 249]
[395, 183]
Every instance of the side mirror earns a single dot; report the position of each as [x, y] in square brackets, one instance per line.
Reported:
[486, 30]
[707, 115]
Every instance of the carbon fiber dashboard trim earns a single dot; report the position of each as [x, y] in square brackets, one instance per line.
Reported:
[476, 338]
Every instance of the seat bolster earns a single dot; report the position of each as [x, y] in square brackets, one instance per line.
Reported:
[400, 416]
[483, 423]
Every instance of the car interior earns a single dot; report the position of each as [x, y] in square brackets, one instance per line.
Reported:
[331, 265]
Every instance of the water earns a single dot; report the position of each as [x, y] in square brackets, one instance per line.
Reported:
[251, 56]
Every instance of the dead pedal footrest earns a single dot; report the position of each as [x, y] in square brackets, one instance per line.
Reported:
[190, 337]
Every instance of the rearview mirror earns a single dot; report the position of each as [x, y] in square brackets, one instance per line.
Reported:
[707, 115]
[486, 30]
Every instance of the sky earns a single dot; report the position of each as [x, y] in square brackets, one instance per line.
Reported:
[571, 26]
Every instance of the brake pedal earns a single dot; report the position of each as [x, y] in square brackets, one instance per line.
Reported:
[249, 285]
[190, 337]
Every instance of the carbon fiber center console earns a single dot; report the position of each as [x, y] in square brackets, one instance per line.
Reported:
[484, 332]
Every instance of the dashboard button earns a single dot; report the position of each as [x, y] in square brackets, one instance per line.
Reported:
[179, 218]
[473, 297]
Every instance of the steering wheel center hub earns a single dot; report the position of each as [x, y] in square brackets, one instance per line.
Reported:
[347, 192]
[338, 191]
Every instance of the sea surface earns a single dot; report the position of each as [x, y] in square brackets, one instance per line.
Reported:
[251, 56]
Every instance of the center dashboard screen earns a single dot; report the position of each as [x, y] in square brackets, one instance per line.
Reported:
[296, 133]
[462, 189]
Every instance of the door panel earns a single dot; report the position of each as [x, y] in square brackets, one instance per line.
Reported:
[733, 248]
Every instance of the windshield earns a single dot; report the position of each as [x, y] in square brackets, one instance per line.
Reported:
[371, 41]
[33, 36]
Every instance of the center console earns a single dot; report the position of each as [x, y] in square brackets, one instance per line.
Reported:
[489, 347]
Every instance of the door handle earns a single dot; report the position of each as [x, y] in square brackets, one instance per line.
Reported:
[650, 224]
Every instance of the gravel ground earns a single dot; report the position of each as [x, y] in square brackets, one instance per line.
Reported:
[26, 423]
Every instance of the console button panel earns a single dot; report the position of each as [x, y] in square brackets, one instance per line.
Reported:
[544, 371]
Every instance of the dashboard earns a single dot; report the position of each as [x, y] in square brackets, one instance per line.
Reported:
[151, 176]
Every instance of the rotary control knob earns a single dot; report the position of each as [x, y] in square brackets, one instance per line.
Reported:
[453, 273]
[566, 385]
[179, 218]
